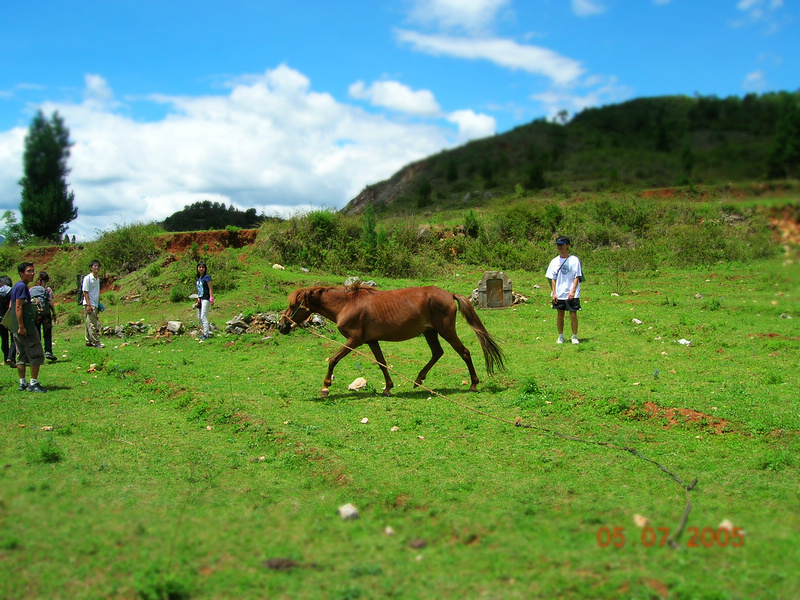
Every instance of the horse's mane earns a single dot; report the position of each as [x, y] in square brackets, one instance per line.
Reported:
[315, 290]
[359, 285]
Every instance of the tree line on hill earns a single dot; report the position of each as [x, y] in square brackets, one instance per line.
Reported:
[643, 143]
[212, 215]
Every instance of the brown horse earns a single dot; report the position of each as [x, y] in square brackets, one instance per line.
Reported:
[365, 315]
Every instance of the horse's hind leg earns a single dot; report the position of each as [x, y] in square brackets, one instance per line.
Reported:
[464, 353]
[378, 353]
[436, 353]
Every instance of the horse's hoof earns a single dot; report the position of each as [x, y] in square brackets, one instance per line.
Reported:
[324, 393]
[387, 393]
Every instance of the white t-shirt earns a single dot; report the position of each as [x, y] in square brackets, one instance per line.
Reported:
[91, 284]
[566, 275]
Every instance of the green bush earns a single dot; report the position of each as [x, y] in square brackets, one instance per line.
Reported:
[178, 293]
[127, 248]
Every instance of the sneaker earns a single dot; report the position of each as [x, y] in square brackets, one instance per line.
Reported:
[89, 345]
[23, 387]
[99, 345]
[50, 356]
[35, 387]
[575, 339]
[560, 339]
[203, 338]
[11, 363]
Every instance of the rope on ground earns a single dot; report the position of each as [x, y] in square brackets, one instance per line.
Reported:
[673, 539]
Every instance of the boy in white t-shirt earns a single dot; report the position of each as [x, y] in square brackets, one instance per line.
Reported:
[565, 274]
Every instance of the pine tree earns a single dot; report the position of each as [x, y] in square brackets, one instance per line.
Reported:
[46, 205]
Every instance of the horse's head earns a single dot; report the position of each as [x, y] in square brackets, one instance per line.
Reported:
[297, 312]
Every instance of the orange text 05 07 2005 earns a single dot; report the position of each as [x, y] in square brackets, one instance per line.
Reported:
[706, 537]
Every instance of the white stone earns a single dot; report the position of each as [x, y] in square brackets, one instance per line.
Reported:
[348, 512]
[358, 384]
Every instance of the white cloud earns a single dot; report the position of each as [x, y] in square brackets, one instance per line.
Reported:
[755, 82]
[504, 53]
[470, 15]
[11, 145]
[97, 90]
[472, 125]
[759, 12]
[396, 96]
[587, 8]
[270, 142]
[601, 90]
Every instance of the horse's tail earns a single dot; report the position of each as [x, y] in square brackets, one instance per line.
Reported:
[492, 353]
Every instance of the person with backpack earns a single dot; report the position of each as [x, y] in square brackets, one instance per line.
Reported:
[5, 334]
[205, 298]
[27, 339]
[43, 295]
[91, 305]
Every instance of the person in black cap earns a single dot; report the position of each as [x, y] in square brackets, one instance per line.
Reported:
[565, 274]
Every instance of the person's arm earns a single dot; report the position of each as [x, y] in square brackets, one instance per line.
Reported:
[86, 302]
[210, 293]
[20, 302]
[574, 288]
[52, 304]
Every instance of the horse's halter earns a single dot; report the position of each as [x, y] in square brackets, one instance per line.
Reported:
[296, 310]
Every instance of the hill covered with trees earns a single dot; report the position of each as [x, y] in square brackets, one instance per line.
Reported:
[207, 215]
[642, 143]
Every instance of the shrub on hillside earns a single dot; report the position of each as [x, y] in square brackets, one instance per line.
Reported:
[128, 248]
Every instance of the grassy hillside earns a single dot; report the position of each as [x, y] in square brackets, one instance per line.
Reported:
[640, 144]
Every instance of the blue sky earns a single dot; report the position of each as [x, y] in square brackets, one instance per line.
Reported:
[286, 106]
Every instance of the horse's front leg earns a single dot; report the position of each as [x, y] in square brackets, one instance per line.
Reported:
[346, 349]
[378, 353]
[436, 353]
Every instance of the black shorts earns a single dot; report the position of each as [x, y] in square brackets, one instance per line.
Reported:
[568, 304]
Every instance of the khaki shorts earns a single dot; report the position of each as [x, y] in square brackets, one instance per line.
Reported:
[29, 349]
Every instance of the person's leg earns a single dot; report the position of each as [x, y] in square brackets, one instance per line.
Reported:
[88, 325]
[560, 326]
[573, 321]
[92, 328]
[21, 360]
[34, 356]
[204, 305]
[4, 335]
[47, 331]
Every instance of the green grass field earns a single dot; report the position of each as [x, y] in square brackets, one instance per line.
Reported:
[174, 469]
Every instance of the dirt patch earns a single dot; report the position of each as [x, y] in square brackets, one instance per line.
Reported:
[215, 241]
[676, 416]
[665, 193]
[41, 256]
